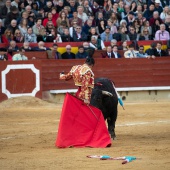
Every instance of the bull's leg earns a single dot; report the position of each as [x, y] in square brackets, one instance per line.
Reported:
[111, 128]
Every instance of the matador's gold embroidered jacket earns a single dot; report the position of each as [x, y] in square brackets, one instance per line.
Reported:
[84, 78]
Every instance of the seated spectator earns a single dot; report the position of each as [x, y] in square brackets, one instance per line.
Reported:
[158, 6]
[41, 47]
[53, 37]
[72, 28]
[20, 55]
[91, 33]
[156, 27]
[113, 42]
[87, 26]
[150, 51]
[89, 50]
[49, 27]
[106, 35]
[148, 14]
[101, 27]
[123, 34]
[42, 35]
[155, 17]
[62, 17]
[144, 35]
[55, 54]
[108, 53]
[13, 46]
[166, 12]
[81, 53]
[2, 28]
[13, 26]
[62, 26]
[67, 11]
[37, 26]
[113, 28]
[115, 52]
[131, 53]
[26, 46]
[30, 36]
[97, 44]
[137, 26]
[158, 52]
[87, 8]
[132, 34]
[162, 34]
[130, 18]
[76, 19]
[47, 7]
[18, 37]
[12, 15]
[3, 56]
[23, 26]
[167, 23]
[146, 25]
[73, 5]
[124, 46]
[142, 53]
[66, 37]
[49, 18]
[68, 54]
[81, 14]
[79, 35]
[7, 37]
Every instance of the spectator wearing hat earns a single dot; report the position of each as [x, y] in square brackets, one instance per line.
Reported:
[158, 7]
[106, 35]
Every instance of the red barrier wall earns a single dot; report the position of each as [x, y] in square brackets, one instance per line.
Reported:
[124, 72]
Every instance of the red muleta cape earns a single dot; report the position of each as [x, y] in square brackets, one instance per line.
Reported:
[81, 125]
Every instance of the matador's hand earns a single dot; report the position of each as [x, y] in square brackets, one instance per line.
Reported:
[86, 101]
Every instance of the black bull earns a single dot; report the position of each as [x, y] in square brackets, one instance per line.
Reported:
[107, 104]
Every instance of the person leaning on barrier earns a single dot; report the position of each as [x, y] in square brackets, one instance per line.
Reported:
[97, 44]
[81, 53]
[68, 54]
[20, 55]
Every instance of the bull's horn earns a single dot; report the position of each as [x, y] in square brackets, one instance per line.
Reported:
[107, 93]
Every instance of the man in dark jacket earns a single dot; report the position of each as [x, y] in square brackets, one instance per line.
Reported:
[68, 54]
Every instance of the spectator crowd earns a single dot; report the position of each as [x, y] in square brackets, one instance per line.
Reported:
[93, 22]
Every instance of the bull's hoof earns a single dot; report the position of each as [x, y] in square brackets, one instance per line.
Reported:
[112, 134]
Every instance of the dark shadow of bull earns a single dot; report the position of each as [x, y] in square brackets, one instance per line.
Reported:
[104, 97]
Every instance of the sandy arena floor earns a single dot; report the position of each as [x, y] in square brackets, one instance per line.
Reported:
[28, 128]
